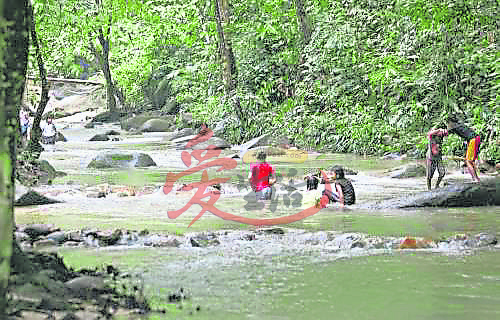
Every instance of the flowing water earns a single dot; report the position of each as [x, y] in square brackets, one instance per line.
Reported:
[272, 278]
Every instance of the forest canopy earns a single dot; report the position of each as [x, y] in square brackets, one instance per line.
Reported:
[363, 76]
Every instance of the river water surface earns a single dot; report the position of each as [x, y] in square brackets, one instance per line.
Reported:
[272, 278]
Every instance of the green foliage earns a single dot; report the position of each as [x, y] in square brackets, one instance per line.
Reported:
[373, 71]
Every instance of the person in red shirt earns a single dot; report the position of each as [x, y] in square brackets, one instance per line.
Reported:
[261, 177]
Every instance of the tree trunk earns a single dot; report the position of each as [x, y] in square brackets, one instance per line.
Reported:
[13, 63]
[103, 60]
[228, 60]
[34, 147]
[305, 25]
[225, 48]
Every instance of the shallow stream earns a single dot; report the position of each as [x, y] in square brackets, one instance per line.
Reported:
[264, 280]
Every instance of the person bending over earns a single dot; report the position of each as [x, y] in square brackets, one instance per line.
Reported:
[343, 193]
[472, 140]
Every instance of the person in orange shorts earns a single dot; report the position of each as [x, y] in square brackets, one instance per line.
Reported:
[473, 141]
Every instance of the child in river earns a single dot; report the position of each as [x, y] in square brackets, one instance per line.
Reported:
[434, 155]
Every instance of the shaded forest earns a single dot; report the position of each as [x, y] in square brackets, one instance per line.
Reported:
[364, 76]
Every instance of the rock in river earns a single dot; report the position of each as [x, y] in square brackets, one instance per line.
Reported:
[109, 159]
[33, 198]
[408, 171]
[457, 195]
[159, 125]
[99, 137]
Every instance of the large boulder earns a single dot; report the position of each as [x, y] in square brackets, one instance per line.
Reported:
[457, 195]
[60, 137]
[112, 159]
[32, 198]
[181, 134]
[135, 122]
[408, 171]
[100, 137]
[165, 124]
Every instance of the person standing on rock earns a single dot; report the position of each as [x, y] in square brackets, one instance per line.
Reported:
[261, 177]
[434, 156]
[472, 140]
[49, 132]
[344, 191]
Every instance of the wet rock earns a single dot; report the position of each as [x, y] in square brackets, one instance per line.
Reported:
[486, 239]
[89, 125]
[186, 118]
[115, 139]
[112, 133]
[177, 296]
[167, 243]
[21, 236]
[106, 160]
[199, 242]
[273, 231]
[60, 137]
[109, 238]
[144, 232]
[25, 245]
[408, 171]
[394, 156]
[100, 137]
[44, 243]
[37, 230]
[33, 198]
[71, 244]
[181, 134]
[122, 194]
[165, 124]
[96, 194]
[375, 243]
[84, 285]
[249, 237]
[75, 235]
[456, 195]
[70, 316]
[349, 241]
[58, 237]
[135, 122]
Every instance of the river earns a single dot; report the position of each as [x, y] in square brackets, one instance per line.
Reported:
[285, 277]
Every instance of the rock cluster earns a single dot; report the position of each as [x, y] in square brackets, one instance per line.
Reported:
[43, 235]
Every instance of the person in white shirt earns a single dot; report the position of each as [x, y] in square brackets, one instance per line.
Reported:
[49, 132]
[25, 123]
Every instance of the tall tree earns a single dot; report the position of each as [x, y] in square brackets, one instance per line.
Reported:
[226, 53]
[34, 147]
[13, 63]
[304, 22]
